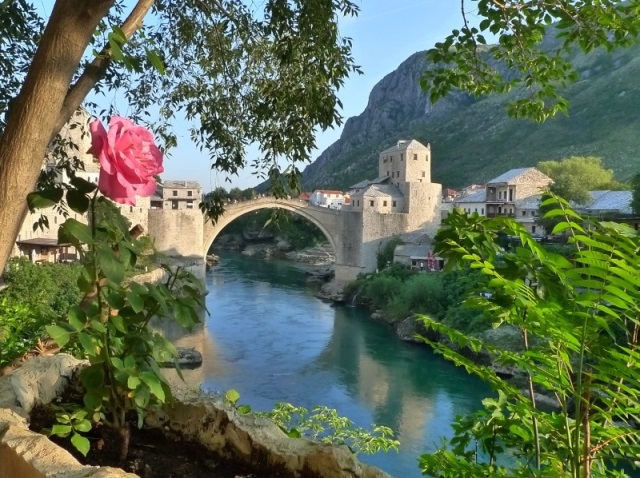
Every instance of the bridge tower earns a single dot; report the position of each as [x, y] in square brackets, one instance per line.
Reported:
[402, 199]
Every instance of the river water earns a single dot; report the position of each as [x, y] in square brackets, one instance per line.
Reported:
[269, 338]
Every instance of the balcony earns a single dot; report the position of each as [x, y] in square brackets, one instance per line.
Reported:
[500, 214]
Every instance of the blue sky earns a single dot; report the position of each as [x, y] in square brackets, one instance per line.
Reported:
[384, 34]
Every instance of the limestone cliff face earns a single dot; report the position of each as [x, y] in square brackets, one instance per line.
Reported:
[473, 140]
[396, 100]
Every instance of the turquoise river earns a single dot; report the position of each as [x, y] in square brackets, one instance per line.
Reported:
[269, 338]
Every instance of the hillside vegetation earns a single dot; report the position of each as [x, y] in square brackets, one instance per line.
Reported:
[474, 140]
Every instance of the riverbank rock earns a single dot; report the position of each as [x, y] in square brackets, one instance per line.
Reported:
[408, 329]
[321, 274]
[333, 291]
[187, 358]
[212, 260]
[319, 254]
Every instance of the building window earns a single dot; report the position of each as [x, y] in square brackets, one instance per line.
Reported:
[524, 213]
[371, 203]
[175, 193]
[174, 204]
[415, 157]
[391, 159]
[482, 211]
[401, 157]
[533, 229]
[384, 203]
[394, 203]
[424, 174]
[475, 209]
[189, 193]
[387, 173]
[130, 208]
[189, 204]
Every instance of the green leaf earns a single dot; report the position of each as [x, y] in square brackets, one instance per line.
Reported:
[75, 232]
[154, 384]
[77, 318]
[133, 382]
[294, 433]
[44, 199]
[60, 430]
[82, 185]
[88, 343]
[82, 426]
[78, 201]
[244, 409]
[136, 302]
[57, 333]
[155, 61]
[232, 396]
[109, 263]
[118, 323]
[81, 443]
[92, 400]
[92, 377]
[116, 51]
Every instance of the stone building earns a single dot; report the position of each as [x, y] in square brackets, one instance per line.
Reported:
[515, 193]
[177, 195]
[327, 198]
[401, 199]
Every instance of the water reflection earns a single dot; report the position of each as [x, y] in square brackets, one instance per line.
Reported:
[271, 340]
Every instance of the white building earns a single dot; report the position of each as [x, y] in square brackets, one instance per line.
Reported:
[327, 198]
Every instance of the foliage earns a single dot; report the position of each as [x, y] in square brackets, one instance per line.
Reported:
[385, 255]
[422, 294]
[267, 77]
[325, 425]
[380, 290]
[111, 322]
[465, 60]
[575, 176]
[572, 309]
[20, 329]
[47, 290]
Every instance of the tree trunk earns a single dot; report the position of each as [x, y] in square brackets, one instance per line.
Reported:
[33, 116]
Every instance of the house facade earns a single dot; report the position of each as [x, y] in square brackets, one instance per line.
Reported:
[327, 198]
[177, 195]
[515, 193]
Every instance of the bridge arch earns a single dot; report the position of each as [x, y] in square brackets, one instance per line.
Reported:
[327, 220]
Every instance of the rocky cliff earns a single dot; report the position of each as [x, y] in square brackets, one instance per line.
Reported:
[473, 139]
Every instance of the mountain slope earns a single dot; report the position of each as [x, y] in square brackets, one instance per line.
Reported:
[474, 140]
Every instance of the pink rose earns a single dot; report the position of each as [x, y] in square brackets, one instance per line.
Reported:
[128, 157]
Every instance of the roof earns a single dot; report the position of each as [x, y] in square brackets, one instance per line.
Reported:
[403, 145]
[513, 174]
[531, 202]
[379, 190]
[416, 237]
[449, 192]
[43, 241]
[367, 182]
[181, 185]
[304, 196]
[327, 191]
[476, 196]
[605, 200]
[412, 250]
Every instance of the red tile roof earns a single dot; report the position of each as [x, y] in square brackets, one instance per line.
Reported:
[328, 191]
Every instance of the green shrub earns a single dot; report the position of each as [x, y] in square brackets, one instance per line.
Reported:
[380, 289]
[422, 293]
[20, 330]
[385, 256]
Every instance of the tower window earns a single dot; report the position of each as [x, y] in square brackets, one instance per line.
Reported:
[401, 157]
[175, 193]
[424, 174]
[371, 203]
[394, 203]
[415, 157]
[384, 203]
[189, 193]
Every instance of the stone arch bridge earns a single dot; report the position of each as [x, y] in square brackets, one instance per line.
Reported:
[184, 233]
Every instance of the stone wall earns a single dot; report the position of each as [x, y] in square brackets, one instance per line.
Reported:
[177, 233]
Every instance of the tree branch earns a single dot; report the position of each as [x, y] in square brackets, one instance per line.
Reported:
[96, 70]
